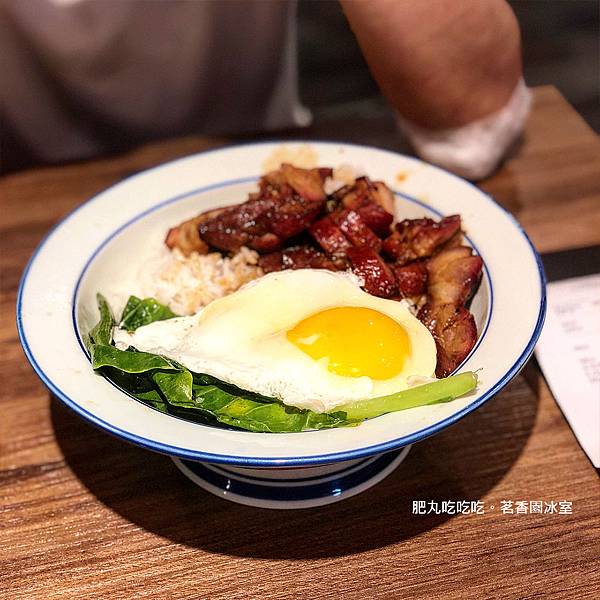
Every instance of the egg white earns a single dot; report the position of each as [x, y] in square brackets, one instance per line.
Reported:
[241, 339]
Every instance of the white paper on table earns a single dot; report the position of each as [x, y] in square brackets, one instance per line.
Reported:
[568, 352]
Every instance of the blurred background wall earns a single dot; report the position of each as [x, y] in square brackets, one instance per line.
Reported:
[561, 46]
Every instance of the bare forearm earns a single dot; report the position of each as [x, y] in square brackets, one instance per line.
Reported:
[441, 63]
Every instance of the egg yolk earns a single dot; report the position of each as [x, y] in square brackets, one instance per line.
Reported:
[355, 341]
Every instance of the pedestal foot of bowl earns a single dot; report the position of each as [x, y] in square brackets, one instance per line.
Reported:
[296, 487]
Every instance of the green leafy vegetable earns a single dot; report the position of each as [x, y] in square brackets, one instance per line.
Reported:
[102, 332]
[143, 312]
[137, 385]
[442, 390]
[130, 362]
[239, 409]
[175, 387]
[154, 399]
[171, 388]
[268, 415]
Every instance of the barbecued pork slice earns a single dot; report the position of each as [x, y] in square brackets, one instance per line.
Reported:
[370, 267]
[287, 202]
[299, 257]
[453, 275]
[411, 279]
[419, 238]
[248, 224]
[329, 236]
[454, 331]
[186, 238]
[364, 192]
[376, 218]
[307, 183]
[355, 195]
[337, 231]
[383, 196]
[455, 241]
[355, 229]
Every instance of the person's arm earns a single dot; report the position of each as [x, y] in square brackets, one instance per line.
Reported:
[442, 64]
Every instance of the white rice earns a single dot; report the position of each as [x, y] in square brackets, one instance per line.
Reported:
[187, 284]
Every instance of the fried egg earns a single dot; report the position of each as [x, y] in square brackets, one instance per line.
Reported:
[312, 338]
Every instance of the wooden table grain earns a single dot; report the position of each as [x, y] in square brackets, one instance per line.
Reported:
[84, 515]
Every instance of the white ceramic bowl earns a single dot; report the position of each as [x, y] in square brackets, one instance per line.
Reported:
[102, 244]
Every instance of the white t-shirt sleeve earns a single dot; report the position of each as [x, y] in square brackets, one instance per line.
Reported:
[474, 150]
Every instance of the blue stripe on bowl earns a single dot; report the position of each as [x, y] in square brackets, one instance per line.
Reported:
[291, 480]
[260, 461]
[264, 491]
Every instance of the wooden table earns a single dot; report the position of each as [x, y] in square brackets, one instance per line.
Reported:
[84, 515]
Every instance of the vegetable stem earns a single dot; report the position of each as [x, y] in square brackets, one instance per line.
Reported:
[442, 390]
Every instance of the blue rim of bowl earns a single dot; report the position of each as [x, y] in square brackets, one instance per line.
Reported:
[293, 460]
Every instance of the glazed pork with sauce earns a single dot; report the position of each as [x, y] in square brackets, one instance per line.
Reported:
[294, 224]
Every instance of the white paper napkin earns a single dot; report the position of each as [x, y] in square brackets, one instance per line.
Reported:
[568, 352]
